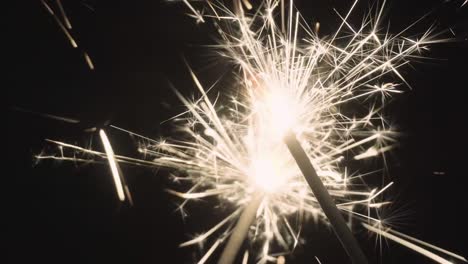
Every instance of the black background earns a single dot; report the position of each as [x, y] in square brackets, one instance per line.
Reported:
[63, 213]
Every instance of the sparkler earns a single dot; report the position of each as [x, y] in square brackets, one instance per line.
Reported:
[329, 91]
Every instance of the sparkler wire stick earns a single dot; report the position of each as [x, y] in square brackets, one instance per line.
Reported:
[348, 241]
[240, 231]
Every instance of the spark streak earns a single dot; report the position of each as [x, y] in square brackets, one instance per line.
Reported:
[66, 26]
[88, 60]
[64, 15]
[413, 246]
[113, 165]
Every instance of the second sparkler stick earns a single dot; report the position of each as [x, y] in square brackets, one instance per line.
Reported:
[348, 241]
[240, 231]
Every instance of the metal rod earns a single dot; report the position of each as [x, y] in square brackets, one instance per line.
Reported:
[240, 231]
[344, 234]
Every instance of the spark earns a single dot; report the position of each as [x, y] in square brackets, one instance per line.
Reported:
[330, 92]
[196, 14]
[247, 4]
[64, 15]
[59, 23]
[66, 32]
[400, 240]
[113, 165]
[453, 32]
[210, 251]
[318, 260]
[66, 26]
[49, 116]
[428, 245]
[88, 60]
[47, 7]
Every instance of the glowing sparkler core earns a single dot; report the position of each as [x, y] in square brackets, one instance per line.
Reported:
[276, 110]
[272, 116]
[267, 175]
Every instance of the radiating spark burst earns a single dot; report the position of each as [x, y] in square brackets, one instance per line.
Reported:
[330, 91]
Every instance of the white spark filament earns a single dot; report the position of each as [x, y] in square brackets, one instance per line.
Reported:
[112, 165]
[412, 246]
[330, 91]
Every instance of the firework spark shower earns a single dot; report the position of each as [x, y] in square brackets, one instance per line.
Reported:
[330, 90]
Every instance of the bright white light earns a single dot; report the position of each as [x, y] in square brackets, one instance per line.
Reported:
[113, 165]
[266, 175]
[281, 108]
